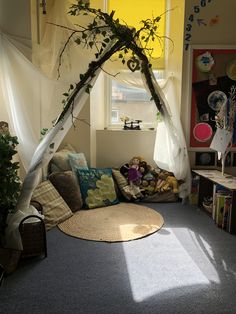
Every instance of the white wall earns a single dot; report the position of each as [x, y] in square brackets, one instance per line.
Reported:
[116, 147]
[14, 20]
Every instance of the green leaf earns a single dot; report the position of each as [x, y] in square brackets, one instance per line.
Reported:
[78, 41]
[112, 13]
[65, 94]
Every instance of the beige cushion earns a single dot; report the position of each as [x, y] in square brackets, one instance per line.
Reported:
[122, 183]
[60, 160]
[55, 209]
[68, 187]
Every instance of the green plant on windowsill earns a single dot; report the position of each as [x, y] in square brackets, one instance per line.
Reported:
[10, 182]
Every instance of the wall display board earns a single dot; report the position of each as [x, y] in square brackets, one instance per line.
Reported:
[213, 78]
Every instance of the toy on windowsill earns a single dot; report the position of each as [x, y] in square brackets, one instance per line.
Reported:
[130, 124]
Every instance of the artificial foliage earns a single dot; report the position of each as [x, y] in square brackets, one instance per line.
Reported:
[107, 36]
[10, 182]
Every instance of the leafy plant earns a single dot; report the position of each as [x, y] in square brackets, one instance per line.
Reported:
[10, 182]
[108, 37]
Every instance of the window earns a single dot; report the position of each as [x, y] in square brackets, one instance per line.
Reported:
[125, 100]
[129, 101]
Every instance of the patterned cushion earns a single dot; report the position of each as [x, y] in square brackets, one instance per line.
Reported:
[55, 209]
[97, 187]
[122, 183]
[67, 186]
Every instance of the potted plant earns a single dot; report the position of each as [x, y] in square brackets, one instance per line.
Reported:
[10, 182]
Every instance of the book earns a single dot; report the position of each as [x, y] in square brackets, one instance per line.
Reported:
[220, 201]
[227, 213]
[193, 198]
[218, 191]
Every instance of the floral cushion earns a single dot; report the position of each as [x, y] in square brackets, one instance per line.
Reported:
[97, 187]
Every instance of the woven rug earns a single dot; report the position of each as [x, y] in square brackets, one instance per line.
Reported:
[121, 222]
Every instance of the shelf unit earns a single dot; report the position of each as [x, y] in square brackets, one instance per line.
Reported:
[207, 179]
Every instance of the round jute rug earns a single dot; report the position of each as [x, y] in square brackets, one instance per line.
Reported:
[121, 222]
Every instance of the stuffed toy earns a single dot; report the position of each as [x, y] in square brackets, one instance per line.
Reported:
[166, 182]
[124, 169]
[173, 183]
[134, 174]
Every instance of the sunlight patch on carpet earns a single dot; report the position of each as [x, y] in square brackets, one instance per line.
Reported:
[184, 269]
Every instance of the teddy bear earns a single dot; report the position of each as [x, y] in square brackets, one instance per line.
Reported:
[167, 181]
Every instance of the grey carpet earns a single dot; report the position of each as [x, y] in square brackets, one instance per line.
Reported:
[189, 266]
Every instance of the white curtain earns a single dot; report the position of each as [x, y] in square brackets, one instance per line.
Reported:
[31, 92]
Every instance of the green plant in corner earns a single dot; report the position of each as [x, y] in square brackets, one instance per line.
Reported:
[10, 182]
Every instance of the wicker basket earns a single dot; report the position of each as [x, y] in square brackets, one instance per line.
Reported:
[33, 236]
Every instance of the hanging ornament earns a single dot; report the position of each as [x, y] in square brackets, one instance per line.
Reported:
[205, 62]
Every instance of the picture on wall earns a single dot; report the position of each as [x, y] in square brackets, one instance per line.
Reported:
[213, 79]
[205, 158]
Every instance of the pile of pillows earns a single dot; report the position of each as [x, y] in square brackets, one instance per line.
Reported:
[72, 185]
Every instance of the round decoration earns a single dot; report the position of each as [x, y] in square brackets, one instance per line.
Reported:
[116, 223]
[202, 132]
[205, 159]
[231, 70]
[205, 62]
[216, 100]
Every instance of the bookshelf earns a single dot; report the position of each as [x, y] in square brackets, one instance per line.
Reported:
[208, 181]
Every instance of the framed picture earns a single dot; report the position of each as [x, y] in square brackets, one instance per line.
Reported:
[205, 159]
[213, 77]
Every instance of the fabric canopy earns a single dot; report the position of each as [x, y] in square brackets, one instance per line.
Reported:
[32, 106]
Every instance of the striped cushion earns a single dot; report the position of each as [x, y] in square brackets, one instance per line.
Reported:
[55, 209]
[122, 183]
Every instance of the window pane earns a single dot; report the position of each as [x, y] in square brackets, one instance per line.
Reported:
[132, 102]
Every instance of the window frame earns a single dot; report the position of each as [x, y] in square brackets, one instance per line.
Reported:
[108, 105]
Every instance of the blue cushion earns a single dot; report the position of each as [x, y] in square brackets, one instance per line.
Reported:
[97, 187]
[77, 160]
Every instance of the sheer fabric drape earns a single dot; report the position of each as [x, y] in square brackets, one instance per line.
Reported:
[38, 90]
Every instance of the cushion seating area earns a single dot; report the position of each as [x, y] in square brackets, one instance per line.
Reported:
[72, 185]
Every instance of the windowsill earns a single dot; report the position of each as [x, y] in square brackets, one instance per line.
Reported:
[131, 130]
